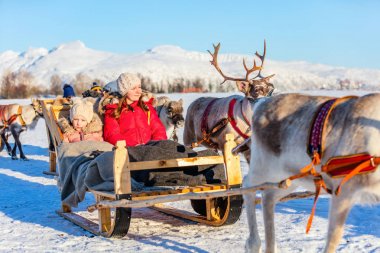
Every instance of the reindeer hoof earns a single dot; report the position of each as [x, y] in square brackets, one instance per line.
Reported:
[14, 158]
[24, 159]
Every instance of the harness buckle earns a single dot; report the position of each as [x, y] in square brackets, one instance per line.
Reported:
[372, 160]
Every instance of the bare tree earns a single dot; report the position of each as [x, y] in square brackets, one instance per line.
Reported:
[8, 80]
[55, 85]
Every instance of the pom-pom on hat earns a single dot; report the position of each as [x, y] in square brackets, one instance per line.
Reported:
[127, 81]
[96, 87]
[83, 108]
[68, 91]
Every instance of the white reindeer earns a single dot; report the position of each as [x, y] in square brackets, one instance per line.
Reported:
[16, 119]
[280, 135]
[208, 119]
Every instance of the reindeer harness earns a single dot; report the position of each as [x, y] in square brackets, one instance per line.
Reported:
[336, 167]
[6, 122]
[207, 132]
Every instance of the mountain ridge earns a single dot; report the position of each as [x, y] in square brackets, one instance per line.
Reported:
[164, 64]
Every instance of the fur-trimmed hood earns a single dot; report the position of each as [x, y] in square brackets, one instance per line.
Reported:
[95, 125]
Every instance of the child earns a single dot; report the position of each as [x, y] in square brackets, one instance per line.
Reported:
[85, 125]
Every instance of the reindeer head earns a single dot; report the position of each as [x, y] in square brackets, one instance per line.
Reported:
[175, 113]
[255, 87]
[37, 107]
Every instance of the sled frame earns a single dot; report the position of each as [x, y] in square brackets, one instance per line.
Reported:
[116, 223]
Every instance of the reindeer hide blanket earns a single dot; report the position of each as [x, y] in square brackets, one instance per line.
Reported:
[89, 165]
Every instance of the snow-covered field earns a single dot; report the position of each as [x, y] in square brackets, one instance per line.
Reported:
[29, 198]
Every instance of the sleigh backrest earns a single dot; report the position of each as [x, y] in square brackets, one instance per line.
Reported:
[52, 113]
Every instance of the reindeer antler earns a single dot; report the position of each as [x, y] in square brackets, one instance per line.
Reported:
[249, 71]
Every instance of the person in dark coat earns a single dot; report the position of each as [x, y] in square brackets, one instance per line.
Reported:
[68, 91]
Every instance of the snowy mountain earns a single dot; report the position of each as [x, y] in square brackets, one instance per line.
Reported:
[166, 63]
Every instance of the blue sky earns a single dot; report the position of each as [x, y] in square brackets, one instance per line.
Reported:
[340, 33]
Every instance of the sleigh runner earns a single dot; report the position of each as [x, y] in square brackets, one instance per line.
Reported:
[114, 220]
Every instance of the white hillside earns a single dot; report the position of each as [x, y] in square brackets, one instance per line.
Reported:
[164, 64]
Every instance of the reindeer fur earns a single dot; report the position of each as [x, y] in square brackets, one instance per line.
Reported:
[219, 110]
[280, 131]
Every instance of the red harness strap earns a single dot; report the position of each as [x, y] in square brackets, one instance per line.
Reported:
[204, 125]
[232, 119]
[349, 166]
[12, 118]
[207, 132]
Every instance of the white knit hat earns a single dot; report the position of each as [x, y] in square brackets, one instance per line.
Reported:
[83, 108]
[127, 81]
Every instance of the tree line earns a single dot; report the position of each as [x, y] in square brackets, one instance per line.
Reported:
[22, 84]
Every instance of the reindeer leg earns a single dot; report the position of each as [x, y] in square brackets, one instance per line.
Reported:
[13, 153]
[269, 199]
[339, 209]
[19, 145]
[16, 135]
[253, 243]
[2, 143]
[14, 150]
[5, 141]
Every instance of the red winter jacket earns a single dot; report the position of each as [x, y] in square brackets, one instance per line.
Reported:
[132, 126]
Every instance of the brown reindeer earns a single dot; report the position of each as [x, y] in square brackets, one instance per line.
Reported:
[170, 113]
[342, 139]
[17, 118]
[208, 119]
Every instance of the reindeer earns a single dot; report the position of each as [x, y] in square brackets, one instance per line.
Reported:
[208, 119]
[171, 114]
[342, 138]
[16, 119]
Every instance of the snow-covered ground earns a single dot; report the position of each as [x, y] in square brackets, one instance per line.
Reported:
[29, 198]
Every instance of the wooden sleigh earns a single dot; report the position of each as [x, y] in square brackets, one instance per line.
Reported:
[51, 114]
[114, 208]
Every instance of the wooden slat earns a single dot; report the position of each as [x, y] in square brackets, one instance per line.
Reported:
[190, 195]
[153, 194]
[88, 225]
[121, 169]
[110, 195]
[232, 162]
[104, 216]
[179, 162]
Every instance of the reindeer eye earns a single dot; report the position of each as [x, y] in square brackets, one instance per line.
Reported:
[170, 109]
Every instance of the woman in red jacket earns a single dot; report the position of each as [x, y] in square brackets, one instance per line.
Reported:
[132, 120]
[137, 123]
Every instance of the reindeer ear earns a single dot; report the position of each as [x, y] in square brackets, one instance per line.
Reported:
[181, 101]
[242, 86]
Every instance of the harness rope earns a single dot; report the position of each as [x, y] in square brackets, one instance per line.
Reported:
[206, 133]
[346, 166]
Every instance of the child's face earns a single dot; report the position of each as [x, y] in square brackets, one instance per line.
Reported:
[79, 122]
[134, 94]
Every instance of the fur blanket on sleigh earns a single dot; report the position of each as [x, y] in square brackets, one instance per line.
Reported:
[89, 165]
